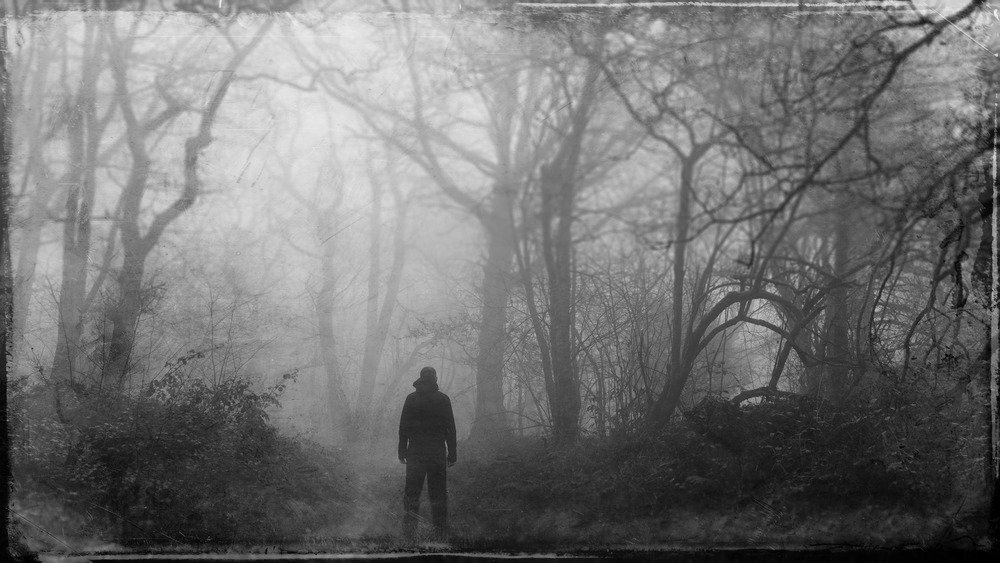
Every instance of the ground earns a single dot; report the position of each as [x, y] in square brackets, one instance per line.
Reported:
[512, 516]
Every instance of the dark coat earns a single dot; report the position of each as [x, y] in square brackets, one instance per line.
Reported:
[427, 425]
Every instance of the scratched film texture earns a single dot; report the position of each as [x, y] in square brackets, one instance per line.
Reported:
[692, 277]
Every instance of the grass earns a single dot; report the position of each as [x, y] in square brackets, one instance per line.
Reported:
[526, 496]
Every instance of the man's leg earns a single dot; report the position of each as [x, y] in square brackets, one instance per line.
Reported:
[415, 472]
[437, 489]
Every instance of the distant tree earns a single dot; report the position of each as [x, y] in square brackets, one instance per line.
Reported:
[86, 126]
[136, 244]
[116, 106]
[755, 101]
[508, 147]
[380, 306]
[589, 143]
[39, 128]
[320, 208]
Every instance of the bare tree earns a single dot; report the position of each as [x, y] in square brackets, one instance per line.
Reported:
[85, 128]
[136, 244]
[379, 310]
[426, 131]
[838, 95]
[322, 207]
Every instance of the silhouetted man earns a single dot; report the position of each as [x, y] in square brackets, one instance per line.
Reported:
[427, 447]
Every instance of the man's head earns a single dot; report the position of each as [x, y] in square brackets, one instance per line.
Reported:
[429, 374]
[428, 379]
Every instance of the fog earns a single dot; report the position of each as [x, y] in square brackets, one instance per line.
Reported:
[666, 263]
[287, 173]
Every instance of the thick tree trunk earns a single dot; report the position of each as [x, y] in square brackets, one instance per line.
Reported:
[491, 418]
[984, 273]
[125, 315]
[837, 354]
[565, 399]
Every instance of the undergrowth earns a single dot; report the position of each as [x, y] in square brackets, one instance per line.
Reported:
[786, 468]
[187, 463]
[184, 461]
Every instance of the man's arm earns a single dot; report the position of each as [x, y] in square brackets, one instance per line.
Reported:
[404, 430]
[450, 437]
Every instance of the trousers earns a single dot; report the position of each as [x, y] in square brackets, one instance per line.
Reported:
[437, 489]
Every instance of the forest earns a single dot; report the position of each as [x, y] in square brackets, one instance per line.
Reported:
[693, 276]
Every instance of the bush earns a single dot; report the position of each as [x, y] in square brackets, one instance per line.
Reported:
[798, 452]
[809, 449]
[182, 461]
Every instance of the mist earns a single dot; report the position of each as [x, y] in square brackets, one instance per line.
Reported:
[689, 276]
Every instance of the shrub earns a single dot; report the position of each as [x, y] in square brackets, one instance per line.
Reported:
[797, 451]
[807, 448]
[181, 461]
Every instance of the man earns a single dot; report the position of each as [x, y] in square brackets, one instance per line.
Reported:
[427, 447]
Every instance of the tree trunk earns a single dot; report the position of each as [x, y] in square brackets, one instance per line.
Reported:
[41, 197]
[27, 256]
[491, 419]
[373, 345]
[72, 289]
[336, 398]
[84, 138]
[559, 190]
[135, 245]
[126, 312]
[984, 276]
[565, 400]
[837, 356]
[524, 265]
[668, 400]
[380, 314]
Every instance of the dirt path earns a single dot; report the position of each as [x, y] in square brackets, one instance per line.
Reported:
[376, 492]
[376, 508]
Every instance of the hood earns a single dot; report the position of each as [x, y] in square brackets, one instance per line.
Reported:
[424, 386]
